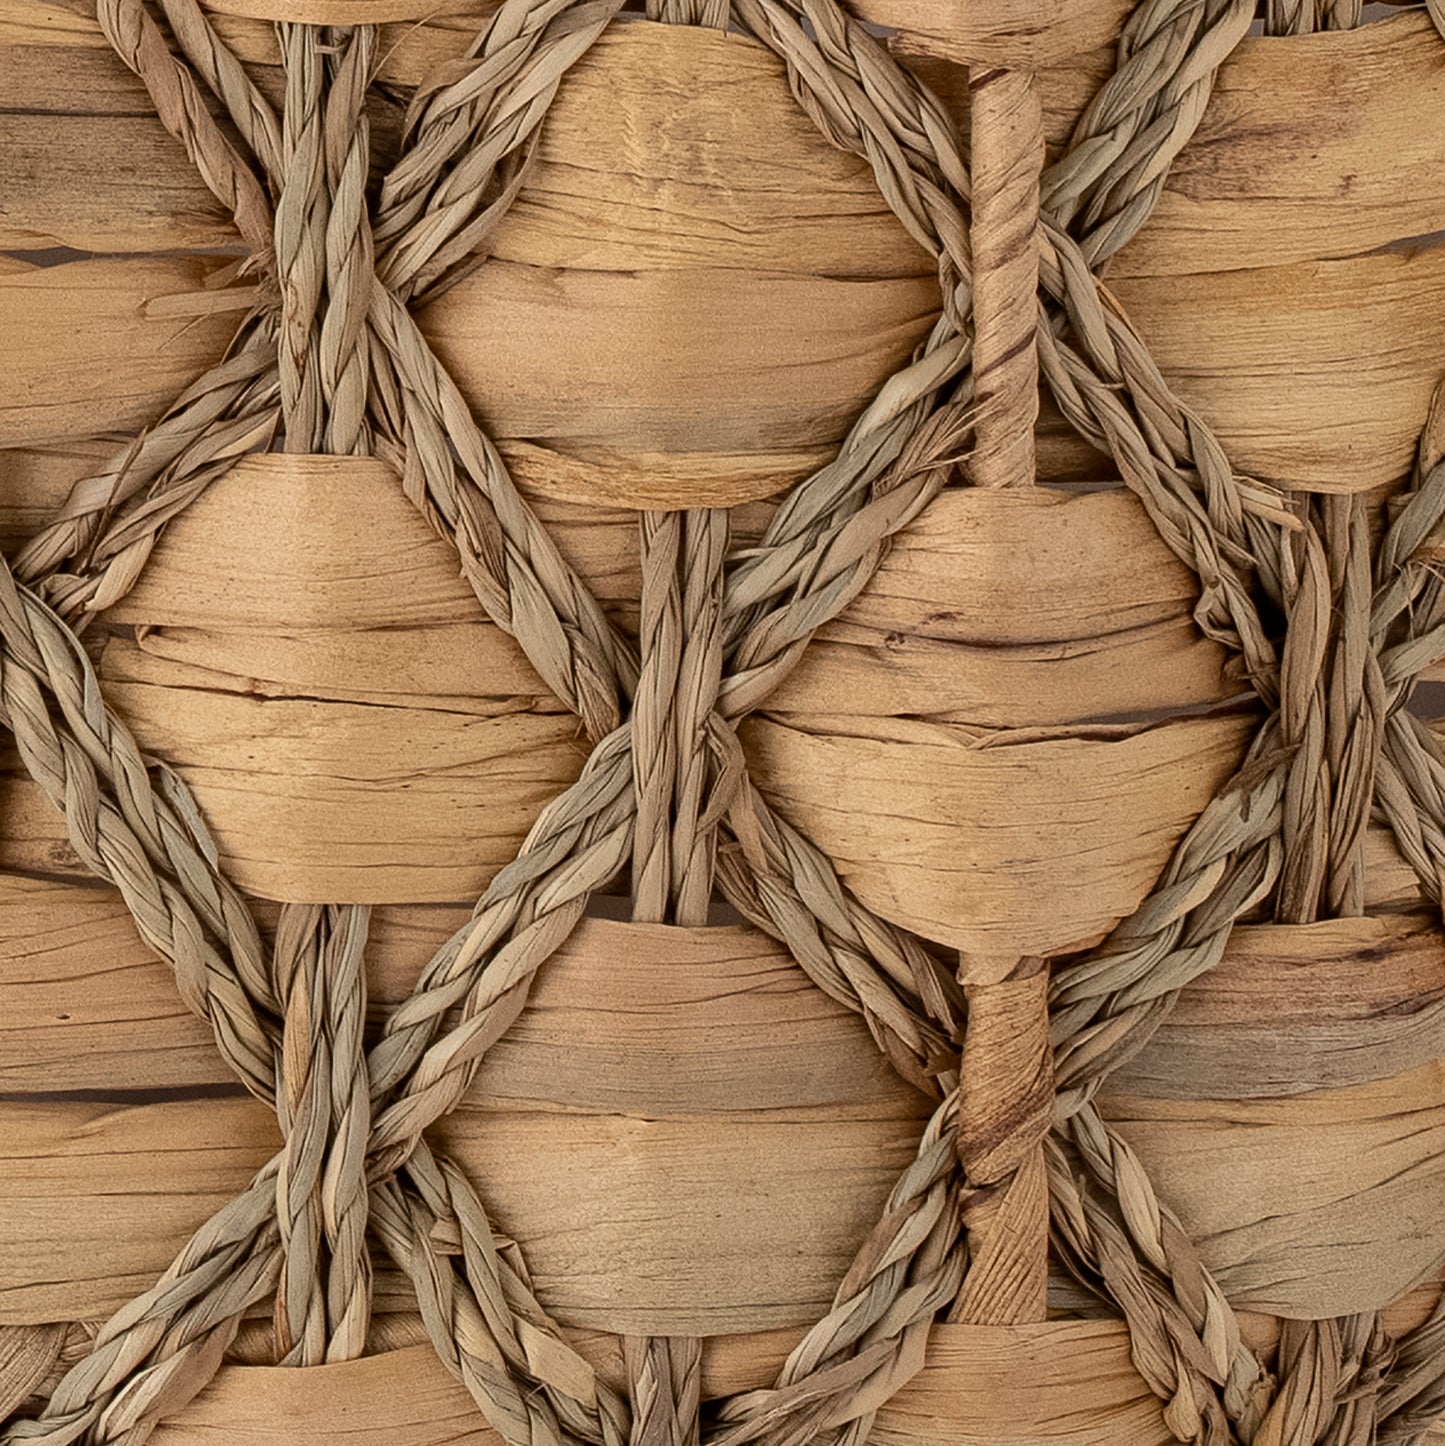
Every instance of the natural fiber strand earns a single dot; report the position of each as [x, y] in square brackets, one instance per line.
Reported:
[353, 371]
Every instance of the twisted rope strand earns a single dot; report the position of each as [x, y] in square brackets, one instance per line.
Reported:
[343, 352]
[826, 542]
[682, 784]
[107, 526]
[149, 842]
[301, 214]
[908, 1269]
[484, 1318]
[323, 1299]
[1109, 180]
[218, 66]
[152, 1356]
[136, 38]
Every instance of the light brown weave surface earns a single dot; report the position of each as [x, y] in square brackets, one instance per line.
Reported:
[718, 729]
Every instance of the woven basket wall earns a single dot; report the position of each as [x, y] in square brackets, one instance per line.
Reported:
[719, 722]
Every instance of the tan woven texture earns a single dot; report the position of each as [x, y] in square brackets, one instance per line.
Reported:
[722, 722]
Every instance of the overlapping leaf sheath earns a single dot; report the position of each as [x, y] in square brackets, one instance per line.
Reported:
[1326, 621]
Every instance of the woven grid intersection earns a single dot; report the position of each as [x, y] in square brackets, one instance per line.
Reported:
[332, 361]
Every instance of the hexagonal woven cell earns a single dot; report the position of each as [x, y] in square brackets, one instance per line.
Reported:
[722, 722]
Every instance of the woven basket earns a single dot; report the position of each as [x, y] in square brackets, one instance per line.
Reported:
[718, 723]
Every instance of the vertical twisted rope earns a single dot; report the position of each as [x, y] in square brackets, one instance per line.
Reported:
[350, 266]
[301, 211]
[675, 848]
[1356, 704]
[664, 1382]
[1330, 1374]
[1006, 1085]
[323, 1299]
[676, 774]
[1308, 610]
[700, 794]
[1339, 1378]
[1006, 1109]
[1332, 712]
[324, 256]
[324, 266]
[1333, 707]
[302, 1111]
[1007, 133]
[654, 739]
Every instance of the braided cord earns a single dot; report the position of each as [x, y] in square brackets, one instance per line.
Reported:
[339, 362]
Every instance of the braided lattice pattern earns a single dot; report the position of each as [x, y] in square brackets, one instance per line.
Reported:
[333, 360]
